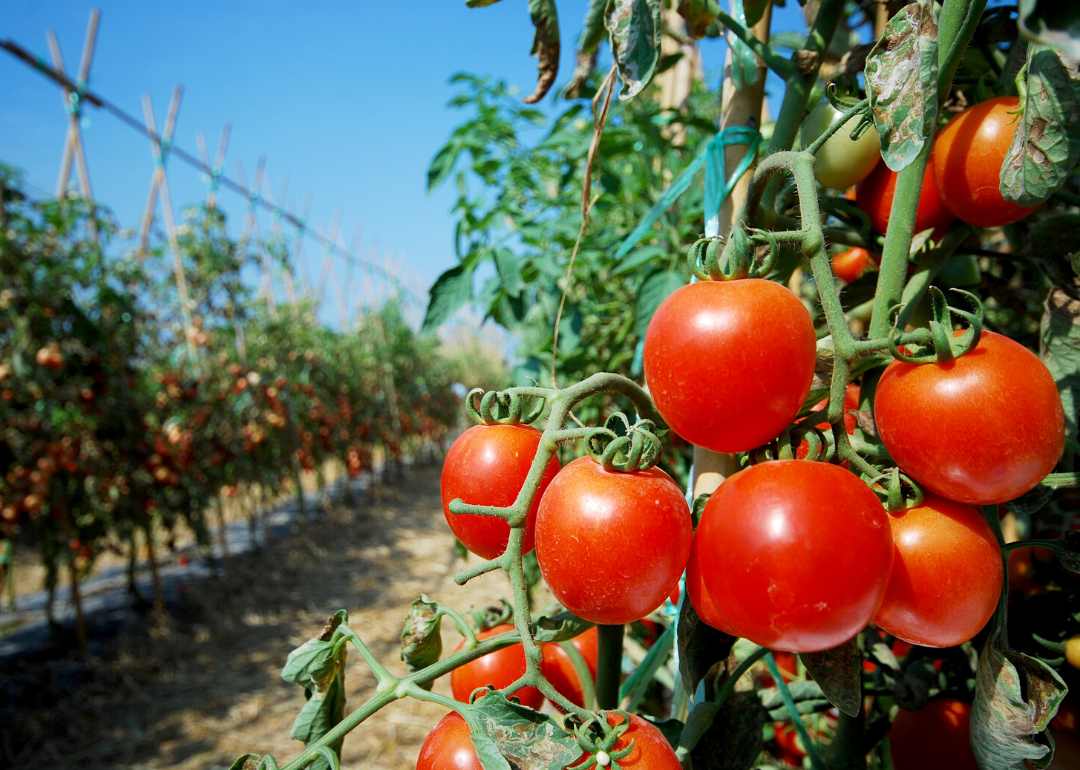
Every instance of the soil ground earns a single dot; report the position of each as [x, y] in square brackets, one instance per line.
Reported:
[201, 686]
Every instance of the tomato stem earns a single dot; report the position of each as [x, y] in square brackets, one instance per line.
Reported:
[609, 666]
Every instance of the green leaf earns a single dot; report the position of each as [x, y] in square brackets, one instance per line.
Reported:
[792, 40]
[1046, 145]
[480, 3]
[560, 628]
[451, 290]
[901, 79]
[312, 664]
[700, 647]
[641, 257]
[570, 333]
[527, 738]
[734, 739]
[545, 47]
[1053, 22]
[1016, 696]
[753, 10]
[443, 163]
[421, 642]
[506, 263]
[808, 697]
[321, 712]
[634, 30]
[657, 286]
[1060, 343]
[839, 673]
[593, 29]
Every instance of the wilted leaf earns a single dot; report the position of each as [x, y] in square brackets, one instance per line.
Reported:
[700, 647]
[733, 740]
[527, 738]
[634, 31]
[545, 47]
[1046, 144]
[1016, 696]
[657, 286]
[451, 290]
[1052, 21]
[1060, 343]
[839, 673]
[421, 642]
[246, 762]
[901, 78]
[312, 664]
[560, 628]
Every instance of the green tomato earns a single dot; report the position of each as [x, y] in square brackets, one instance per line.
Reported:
[840, 162]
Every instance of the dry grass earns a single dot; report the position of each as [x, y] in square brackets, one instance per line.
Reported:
[199, 688]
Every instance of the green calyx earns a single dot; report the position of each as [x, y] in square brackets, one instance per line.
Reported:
[899, 492]
[618, 446]
[503, 407]
[938, 344]
[597, 737]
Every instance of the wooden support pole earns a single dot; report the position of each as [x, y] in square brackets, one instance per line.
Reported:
[213, 172]
[298, 243]
[73, 142]
[160, 156]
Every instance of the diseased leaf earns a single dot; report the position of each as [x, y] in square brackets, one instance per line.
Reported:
[321, 712]
[1046, 145]
[451, 290]
[839, 673]
[312, 664]
[1016, 696]
[700, 647]
[421, 642]
[1053, 22]
[506, 263]
[246, 762]
[634, 31]
[901, 79]
[527, 738]
[1060, 343]
[733, 740]
[697, 16]
[657, 286]
[545, 47]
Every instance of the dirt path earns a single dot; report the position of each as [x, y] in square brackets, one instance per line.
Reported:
[202, 687]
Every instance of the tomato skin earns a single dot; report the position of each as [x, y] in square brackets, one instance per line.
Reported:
[946, 577]
[560, 671]
[499, 669]
[699, 596]
[795, 554]
[935, 737]
[967, 159]
[612, 545]
[982, 429]
[730, 363]
[840, 162]
[850, 264]
[487, 465]
[449, 746]
[875, 196]
[651, 751]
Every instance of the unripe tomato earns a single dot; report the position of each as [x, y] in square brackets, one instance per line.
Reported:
[699, 596]
[840, 162]
[936, 736]
[1072, 651]
[449, 746]
[650, 751]
[498, 669]
[612, 545]
[488, 465]
[982, 429]
[730, 363]
[946, 578]
[875, 197]
[967, 159]
[795, 554]
[560, 671]
[850, 264]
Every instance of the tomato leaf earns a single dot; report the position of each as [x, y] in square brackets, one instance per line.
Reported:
[527, 738]
[901, 79]
[1060, 342]
[321, 712]
[593, 29]
[656, 286]
[634, 32]
[312, 664]
[479, 3]
[1016, 696]
[246, 762]
[808, 697]
[507, 264]
[1052, 22]
[451, 290]
[560, 628]
[1046, 145]
[734, 739]
[421, 642]
[700, 647]
[753, 10]
[839, 673]
[545, 46]
[1067, 549]
[443, 163]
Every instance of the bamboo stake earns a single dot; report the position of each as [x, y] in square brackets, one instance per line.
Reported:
[275, 233]
[213, 172]
[73, 143]
[298, 242]
[159, 166]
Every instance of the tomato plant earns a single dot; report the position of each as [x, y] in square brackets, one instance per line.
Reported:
[946, 578]
[729, 363]
[874, 196]
[967, 159]
[770, 557]
[936, 736]
[498, 669]
[448, 746]
[842, 161]
[596, 525]
[982, 429]
[487, 465]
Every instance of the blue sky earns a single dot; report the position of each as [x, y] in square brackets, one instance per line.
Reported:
[348, 99]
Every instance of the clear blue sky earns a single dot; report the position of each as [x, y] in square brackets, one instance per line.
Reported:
[349, 99]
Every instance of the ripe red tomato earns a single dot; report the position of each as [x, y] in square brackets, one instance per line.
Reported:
[612, 545]
[487, 465]
[449, 746]
[982, 429]
[795, 554]
[651, 751]
[850, 264]
[699, 596]
[560, 671]
[967, 159]
[936, 736]
[730, 363]
[499, 669]
[874, 196]
[946, 578]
